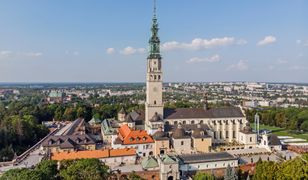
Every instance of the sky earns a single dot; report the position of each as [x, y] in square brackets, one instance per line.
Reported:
[107, 40]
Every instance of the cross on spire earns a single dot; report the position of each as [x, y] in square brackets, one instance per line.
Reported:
[154, 11]
[154, 42]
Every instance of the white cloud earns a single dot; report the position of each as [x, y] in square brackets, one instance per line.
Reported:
[214, 58]
[298, 41]
[130, 50]
[267, 40]
[296, 67]
[282, 61]
[240, 66]
[271, 67]
[241, 42]
[110, 50]
[5, 53]
[76, 53]
[34, 54]
[198, 43]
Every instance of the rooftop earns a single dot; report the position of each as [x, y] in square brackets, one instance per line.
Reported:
[205, 157]
[182, 113]
[93, 154]
[128, 136]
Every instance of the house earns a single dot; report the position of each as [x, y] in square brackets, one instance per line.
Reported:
[270, 142]
[247, 137]
[69, 143]
[138, 139]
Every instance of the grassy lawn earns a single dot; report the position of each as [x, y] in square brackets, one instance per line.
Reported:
[283, 132]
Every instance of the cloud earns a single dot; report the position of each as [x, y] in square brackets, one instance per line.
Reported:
[301, 42]
[282, 61]
[75, 53]
[5, 53]
[271, 67]
[296, 67]
[214, 58]
[241, 42]
[240, 66]
[198, 43]
[33, 54]
[267, 40]
[130, 50]
[110, 50]
[298, 41]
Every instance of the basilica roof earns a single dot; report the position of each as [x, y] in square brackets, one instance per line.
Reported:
[205, 157]
[199, 132]
[179, 133]
[189, 113]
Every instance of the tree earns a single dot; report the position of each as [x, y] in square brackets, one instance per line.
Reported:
[21, 174]
[230, 173]
[48, 168]
[203, 176]
[265, 170]
[134, 176]
[304, 126]
[85, 169]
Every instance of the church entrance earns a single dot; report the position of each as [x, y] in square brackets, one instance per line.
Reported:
[170, 178]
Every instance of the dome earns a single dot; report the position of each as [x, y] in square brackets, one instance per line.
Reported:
[158, 134]
[156, 117]
[247, 128]
[198, 132]
[179, 133]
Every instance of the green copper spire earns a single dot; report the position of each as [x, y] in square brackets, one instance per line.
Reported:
[154, 42]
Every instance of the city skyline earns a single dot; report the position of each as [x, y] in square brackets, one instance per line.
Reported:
[107, 41]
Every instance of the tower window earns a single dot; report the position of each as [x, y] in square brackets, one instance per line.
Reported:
[182, 143]
[192, 122]
[184, 122]
[158, 77]
[155, 77]
[154, 102]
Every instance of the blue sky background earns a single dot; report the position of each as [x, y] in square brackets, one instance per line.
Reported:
[105, 40]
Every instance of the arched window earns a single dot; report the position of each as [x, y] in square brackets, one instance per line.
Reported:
[201, 122]
[158, 77]
[175, 122]
[192, 122]
[184, 122]
[154, 102]
[155, 77]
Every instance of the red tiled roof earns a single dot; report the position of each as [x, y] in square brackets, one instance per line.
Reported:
[93, 154]
[129, 136]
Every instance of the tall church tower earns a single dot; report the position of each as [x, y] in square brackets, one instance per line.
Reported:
[154, 107]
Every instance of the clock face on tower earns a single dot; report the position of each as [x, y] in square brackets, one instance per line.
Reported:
[155, 89]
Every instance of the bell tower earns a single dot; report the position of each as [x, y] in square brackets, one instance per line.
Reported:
[154, 106]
